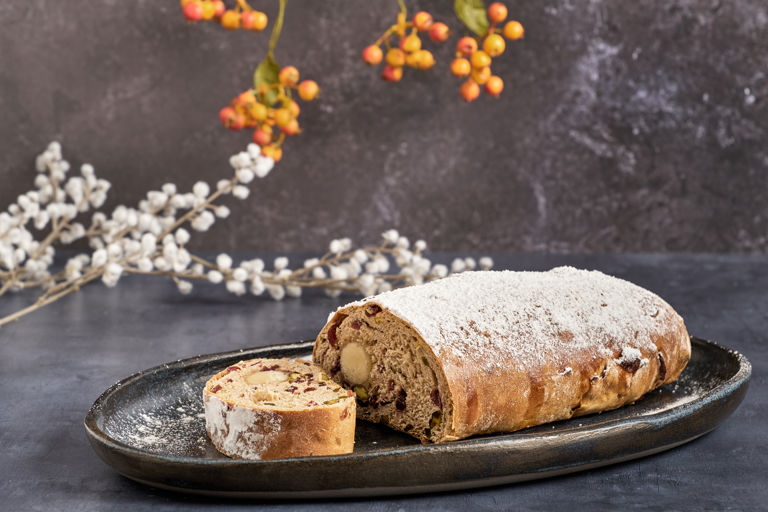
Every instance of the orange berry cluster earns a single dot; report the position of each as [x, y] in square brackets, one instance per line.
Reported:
[252, 109]
[408, 51]
[474, 56]
[241, 17]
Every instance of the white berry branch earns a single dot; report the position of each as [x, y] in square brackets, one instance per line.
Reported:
[151, 239]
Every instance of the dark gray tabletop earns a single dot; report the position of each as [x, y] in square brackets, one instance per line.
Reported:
[56, 362]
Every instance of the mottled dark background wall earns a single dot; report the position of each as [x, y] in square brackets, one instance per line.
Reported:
[624, 125]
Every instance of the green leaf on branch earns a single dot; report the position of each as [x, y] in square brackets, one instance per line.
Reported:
[266, 74]
[472, 14]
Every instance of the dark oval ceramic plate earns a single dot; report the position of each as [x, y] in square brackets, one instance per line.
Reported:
[150, 428]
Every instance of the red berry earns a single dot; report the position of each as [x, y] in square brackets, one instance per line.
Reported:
[209, 10]
[226, 114]
[424, 59]
[262, 136]
[283, 117]
[460, 67]
[230, 20]
[292, 128]
[257, 111]
[308, 90]
[494, 86]
[395, 57]
[480, 60]
[422, 20]
[439, 32]
[413, 59]
[245, 99]
[231, 118]
[259, 21]
[392, 74]
[513, 30]
[372, 55]
[218, 8]
[294, 108]
[238, 122]
[494, 45]
[466, 46]
[248, 20]
[481, 75]
[469, 90]
[410, 44]
[497, 12]
[289, 76]
[193, 11]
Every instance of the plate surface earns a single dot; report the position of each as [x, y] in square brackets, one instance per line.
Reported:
[150, 428]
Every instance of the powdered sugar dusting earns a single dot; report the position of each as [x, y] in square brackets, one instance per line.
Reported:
[631, 357]
[162, 425]
[531, 318]
[241, 431]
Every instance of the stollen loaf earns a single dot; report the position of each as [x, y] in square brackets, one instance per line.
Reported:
[499, 351]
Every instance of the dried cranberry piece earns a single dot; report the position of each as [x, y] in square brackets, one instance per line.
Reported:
[435, 397]
[355, 324]
[233, 368]
[216, 388]
[291, 389]
[400, 400]
[344, 413]
[630, 366]
[310, 388]
[372, 310]
[332, 338]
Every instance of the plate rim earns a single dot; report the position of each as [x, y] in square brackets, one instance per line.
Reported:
[101, 440]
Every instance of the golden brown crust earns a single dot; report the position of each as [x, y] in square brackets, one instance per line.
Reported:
[512, 400]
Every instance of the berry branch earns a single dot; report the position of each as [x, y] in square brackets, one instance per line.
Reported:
[477, 69]
[269, 104]
[409, 51]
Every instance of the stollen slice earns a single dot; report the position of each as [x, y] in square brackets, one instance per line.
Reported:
[276, 408]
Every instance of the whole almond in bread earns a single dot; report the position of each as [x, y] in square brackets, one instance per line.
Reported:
[484, 352]
[276, 408]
